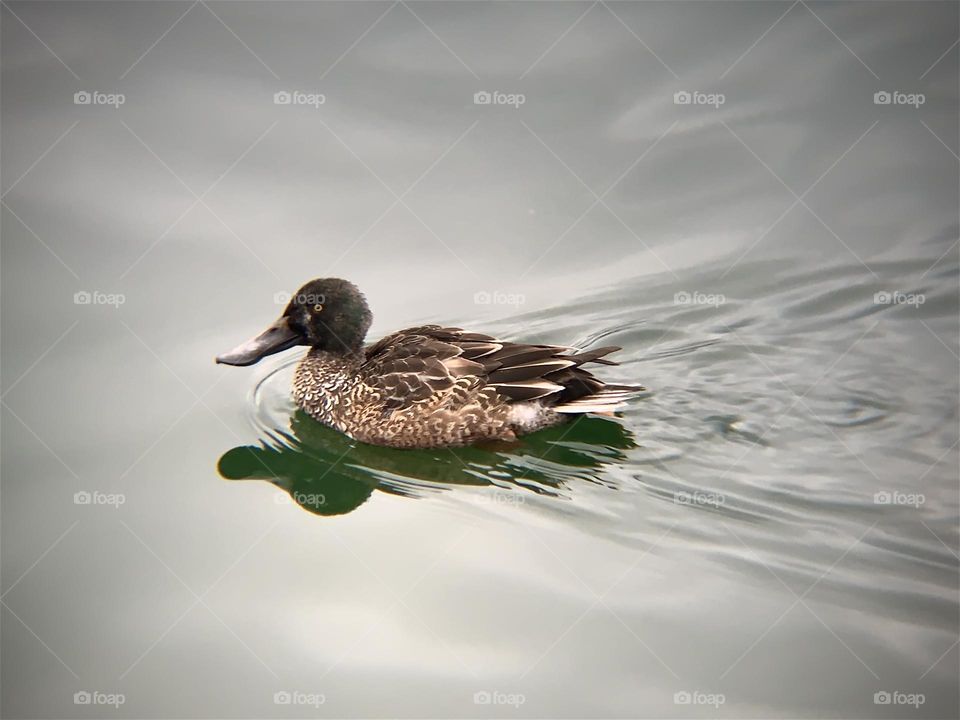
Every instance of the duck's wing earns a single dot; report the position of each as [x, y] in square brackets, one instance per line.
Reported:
[424, 363]
[420, 365]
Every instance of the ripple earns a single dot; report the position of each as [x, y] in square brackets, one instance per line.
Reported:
[851, 412]
[271, 402]
[736, 427]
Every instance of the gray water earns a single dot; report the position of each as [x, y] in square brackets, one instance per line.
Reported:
[771, 530]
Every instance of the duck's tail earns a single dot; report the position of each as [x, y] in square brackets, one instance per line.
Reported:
[605, 400]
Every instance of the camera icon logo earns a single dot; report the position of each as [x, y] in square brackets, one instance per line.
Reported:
[883, 498]
[681, 298]
[282, 98]
[82, 98]
[482, 98]
[281, 298]
[481, 298]
[82, 298]
[82, 697]
[882, 698]
[481, 697]
[682, 97]
[882, 298]
[282, 697]
[882, 98]
[682, 698]
[82, 498]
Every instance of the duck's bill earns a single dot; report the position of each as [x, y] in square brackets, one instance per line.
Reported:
[276, 338]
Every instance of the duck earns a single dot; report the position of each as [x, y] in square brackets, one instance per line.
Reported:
[427, 386]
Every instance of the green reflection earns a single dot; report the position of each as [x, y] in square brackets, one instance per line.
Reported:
[327, 473]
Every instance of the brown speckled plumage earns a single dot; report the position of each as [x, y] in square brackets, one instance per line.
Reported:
[426, 386]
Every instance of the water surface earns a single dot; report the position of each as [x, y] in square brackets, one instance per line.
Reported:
[770, 531]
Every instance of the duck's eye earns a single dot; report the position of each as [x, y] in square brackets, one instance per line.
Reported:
[318, 307]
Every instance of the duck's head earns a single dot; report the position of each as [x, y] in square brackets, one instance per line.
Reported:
[329, 314]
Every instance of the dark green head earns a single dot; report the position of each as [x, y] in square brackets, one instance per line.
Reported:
[329, 314]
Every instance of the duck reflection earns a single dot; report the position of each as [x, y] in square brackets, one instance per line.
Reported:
[327, 473]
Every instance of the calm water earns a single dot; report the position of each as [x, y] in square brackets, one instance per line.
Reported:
[770, 531]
